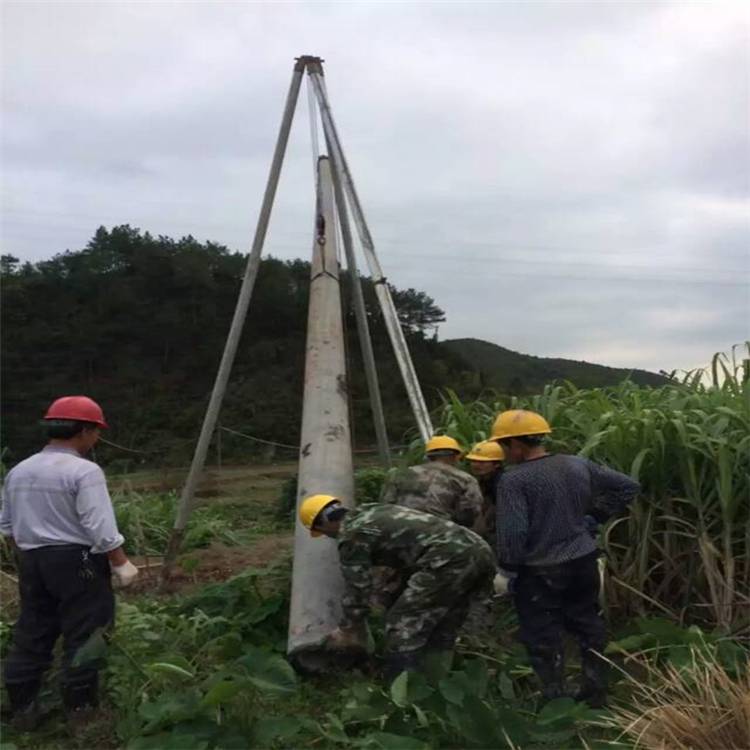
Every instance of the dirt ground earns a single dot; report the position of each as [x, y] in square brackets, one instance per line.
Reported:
[229, 480]
[217, 562]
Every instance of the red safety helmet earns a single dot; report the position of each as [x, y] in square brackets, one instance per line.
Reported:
[77, 408]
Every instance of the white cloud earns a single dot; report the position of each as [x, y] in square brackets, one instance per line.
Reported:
[584, 165]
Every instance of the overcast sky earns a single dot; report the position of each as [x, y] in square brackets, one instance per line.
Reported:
[565, 179]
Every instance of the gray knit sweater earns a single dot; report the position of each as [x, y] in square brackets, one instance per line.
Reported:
[541, 506]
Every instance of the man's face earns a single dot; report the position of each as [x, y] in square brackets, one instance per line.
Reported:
[329, 528]
[514, 450]
[90, 437]
[483, 468]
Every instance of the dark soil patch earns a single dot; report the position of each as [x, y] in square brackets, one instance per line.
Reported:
[215, 563]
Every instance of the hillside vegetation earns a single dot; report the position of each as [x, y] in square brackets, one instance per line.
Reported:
[507, 371]
[139, 322]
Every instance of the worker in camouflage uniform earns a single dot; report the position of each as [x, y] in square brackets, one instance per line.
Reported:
[438, 486]
[444, 564]
[486, 464]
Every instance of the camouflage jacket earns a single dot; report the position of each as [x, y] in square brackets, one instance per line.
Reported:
[436, 488]
[401, 538]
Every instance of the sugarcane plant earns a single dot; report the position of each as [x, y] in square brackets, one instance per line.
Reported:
[684, 546]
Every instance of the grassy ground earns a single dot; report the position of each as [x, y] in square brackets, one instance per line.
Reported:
[201, 666]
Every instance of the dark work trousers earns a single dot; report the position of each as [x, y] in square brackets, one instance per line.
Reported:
[65, 590]
[552, 600]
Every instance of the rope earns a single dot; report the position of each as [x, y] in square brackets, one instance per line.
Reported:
[123, 448]
[293, 447]
[243, 435]
[260, 440]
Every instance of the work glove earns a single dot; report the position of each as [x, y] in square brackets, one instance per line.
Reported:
[347, 638]
[504, 582]
[123, 575]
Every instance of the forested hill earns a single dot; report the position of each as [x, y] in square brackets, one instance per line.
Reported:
[139, 322]
[507, 371]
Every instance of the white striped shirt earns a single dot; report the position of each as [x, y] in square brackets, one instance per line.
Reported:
[57, 497]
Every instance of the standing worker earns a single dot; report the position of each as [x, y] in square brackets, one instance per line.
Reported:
[444, 565]
[486, 464]
[543, 540]
[438, 486]
[57, 511]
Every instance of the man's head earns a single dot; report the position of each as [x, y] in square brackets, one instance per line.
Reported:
[443, 449]
[75, 421]
[521, 434]
[322, 515]
[485, 458]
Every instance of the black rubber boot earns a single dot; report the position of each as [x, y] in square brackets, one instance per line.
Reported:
[403, 661]
[80, 697]
[25, 713]
[593, 690]
[549, 666]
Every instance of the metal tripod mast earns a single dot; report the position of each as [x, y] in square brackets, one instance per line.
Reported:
[390, 315]
[343, 183]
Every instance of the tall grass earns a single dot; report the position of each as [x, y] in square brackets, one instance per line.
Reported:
[684, 547]
[700, 705]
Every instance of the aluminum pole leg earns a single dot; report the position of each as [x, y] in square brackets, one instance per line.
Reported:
[230, 348]
[363, 327]
[390, 315]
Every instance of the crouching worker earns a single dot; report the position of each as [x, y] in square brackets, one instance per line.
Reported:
[445, 565]
[58, 512]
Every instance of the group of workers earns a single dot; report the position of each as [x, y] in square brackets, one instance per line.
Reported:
[525, 523]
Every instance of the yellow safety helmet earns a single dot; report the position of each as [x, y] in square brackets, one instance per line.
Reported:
[517, 423]
[487, 450]
[310, 507]
[442, 443]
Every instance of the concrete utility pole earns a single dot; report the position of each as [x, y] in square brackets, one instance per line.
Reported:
[325, 460]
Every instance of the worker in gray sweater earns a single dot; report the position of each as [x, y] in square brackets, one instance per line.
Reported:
[547, 508]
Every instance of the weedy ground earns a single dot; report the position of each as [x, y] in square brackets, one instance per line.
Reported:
[201, 667]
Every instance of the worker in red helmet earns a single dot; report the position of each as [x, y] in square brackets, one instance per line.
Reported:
[57, 511]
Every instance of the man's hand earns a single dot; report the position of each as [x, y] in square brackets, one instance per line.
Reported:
[123, 574]
[504, 583]
[347, 638]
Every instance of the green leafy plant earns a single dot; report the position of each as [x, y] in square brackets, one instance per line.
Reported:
[467, 707]
[146, 521]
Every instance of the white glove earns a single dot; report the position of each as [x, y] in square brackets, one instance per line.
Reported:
[501, 583]
[347, 638]
[123, 574]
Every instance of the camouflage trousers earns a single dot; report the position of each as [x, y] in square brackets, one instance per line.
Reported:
[435, 601]
[481, 614]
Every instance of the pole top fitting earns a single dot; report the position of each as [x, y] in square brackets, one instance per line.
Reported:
[309, 61]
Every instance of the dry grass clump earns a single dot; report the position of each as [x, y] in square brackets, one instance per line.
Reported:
[695, 707]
